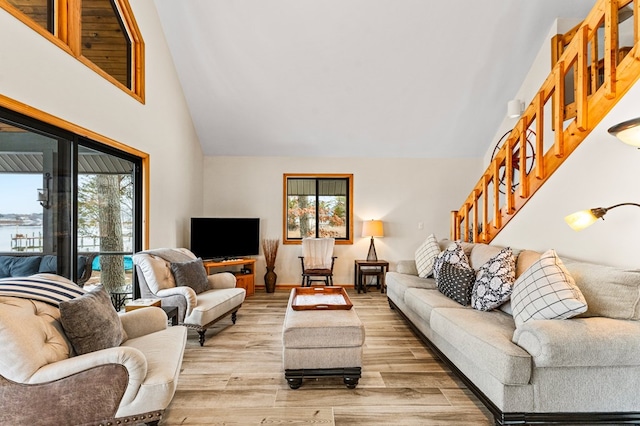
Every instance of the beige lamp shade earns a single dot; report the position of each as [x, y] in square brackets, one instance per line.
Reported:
[372, 228]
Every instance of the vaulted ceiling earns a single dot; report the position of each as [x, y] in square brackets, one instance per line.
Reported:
[354, 78]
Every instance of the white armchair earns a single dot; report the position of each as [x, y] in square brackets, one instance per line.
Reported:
[199, 306]
[43, 381]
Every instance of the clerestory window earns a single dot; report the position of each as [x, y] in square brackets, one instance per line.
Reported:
[103, 35]
[318, 205]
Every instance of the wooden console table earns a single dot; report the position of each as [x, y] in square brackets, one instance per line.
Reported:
[243, 269]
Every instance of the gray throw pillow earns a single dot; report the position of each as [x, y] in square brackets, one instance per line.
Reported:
[191, 274]
[91, 323]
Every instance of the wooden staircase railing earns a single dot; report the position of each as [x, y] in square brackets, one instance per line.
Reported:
[599, 82]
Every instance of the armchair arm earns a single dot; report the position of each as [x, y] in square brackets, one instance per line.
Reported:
[187, 292]
[140, 322]
[222, 280]
[130, 358]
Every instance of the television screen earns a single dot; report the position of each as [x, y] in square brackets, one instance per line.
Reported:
[223, 238]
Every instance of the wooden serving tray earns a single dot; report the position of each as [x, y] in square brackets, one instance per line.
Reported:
[320, 298]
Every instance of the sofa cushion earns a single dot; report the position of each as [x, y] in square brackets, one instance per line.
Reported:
[191, 274]
[486, 339]
[423, 301]
[494, 281]
[91, 323]
[610, 292]
[456, 282]
[426, 255]
[454, 254]
[481, 253]
[546, 291]
[407, 267]
[213, 304]
[19, 266]
[524, 260]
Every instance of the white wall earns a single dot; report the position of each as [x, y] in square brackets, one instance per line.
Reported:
[400, 192]
[36, 72]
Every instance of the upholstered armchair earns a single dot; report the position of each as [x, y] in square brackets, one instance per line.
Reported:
[47, 376]
[178, 278]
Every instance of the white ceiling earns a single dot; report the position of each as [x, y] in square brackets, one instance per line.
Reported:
[354, 78]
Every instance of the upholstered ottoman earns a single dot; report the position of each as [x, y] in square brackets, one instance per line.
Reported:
[319, 343]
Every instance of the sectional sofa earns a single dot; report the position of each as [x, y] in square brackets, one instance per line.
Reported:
[585, 369]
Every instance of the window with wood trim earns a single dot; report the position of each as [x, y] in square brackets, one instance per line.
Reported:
[102, 34]
[318, 205]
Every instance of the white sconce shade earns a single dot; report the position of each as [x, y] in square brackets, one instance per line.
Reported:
[515, 108]
[628, 132]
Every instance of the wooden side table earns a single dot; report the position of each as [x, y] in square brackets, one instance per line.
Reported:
[376, 268]
[141, 303]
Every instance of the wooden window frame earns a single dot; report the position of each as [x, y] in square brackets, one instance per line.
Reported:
[68, 36]
[347, 176]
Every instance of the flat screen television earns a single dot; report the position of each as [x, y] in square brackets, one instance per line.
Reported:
[220, 238]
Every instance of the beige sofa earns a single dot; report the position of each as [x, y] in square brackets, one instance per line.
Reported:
[580, 370]
[44, 382]
[198, 308]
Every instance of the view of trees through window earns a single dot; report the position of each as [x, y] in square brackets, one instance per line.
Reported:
[317, 207]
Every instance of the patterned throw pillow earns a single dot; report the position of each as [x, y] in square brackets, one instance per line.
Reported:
[426, 255]
[453, 254]
[546, 291]
[456, 282]
[494, 281]
[191, 274]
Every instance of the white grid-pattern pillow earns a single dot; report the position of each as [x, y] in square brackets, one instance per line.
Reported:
[425, 256]
[546, 291]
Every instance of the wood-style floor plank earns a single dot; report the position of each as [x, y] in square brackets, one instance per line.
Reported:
[237, 377]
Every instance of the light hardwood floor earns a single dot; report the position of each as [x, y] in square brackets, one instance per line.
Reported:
[237, 377]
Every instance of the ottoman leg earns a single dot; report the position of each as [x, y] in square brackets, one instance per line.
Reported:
[352, 376]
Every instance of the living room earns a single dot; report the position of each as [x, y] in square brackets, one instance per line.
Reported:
[413, 195]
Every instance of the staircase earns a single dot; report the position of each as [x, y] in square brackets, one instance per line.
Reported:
[591, 72]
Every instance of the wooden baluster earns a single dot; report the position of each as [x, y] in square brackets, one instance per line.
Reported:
[636, 24]
[610, 46]
[474, 229]
[582, 84]
[454, 229]
[465, 237]
[595, 72]
[497, 218]
[508, 173]
[558, 115]
[539, 102]
[524, 177]
[485, 207]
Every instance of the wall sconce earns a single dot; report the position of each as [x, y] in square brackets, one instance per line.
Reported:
[372, 228]
[515, 108]
[585, 218]
[628, 131]
[45, 193]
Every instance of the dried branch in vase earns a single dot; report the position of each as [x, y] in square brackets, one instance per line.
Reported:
[270, 249]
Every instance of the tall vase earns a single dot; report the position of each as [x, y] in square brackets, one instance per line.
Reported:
[270, 279]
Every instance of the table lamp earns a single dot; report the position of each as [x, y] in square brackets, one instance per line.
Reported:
[372, 228]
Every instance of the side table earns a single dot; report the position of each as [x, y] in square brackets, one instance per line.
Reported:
[365, 268]
[172, 313]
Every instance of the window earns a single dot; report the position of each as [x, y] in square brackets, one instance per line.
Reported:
[318, 206]
[72, 200]
[103, 35]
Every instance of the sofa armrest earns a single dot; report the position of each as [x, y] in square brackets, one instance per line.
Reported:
[143, 321]
[407, 267]
[187, 292]
[580, 342]
[131, 358]
[222, 280]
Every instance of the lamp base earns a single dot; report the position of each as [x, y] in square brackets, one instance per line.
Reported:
[372, 252]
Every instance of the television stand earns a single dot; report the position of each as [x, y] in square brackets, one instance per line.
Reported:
[243, 268]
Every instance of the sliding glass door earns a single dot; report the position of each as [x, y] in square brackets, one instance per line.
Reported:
[72, 202]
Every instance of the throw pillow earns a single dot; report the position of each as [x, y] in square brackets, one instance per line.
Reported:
[191, 274]
[426, 255]
[546, 291]
[454, 254]
[494, 281]
[91, 323]
[456, 282]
